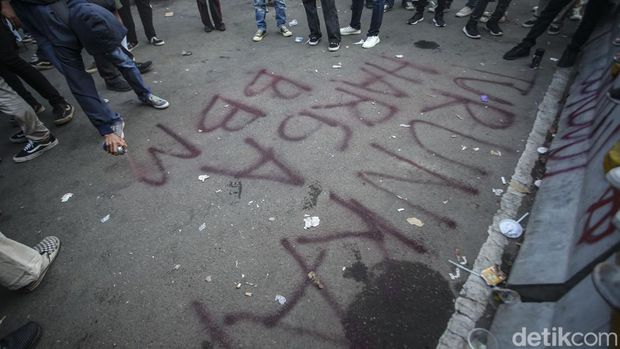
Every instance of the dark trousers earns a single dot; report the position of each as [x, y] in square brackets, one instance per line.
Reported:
[106, 69]
[375, 21]
[595, 9]
[481, 6]
[210, 13]
[330, 15]
[420, 5]
[146, 16]
[60, 45]
[13, 67]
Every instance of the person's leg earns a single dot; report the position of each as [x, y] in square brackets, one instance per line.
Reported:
[126, 17]
[481, 6]
[542, 23]
[21, 265]
[377, 18]
[313, 18]
[110, 75]
[26, 118]
[500, 10]
[356, 14]
[146, 17]
[330, 15]
[260, 10]
[280, 6]
[203, 9]
[216, 14]
[130, 72]
[16, 84]
[595, 10]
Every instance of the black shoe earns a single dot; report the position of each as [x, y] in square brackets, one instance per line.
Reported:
[494, 28]
[155, 41]
[438, 20]
[42, 64]
[221, 27]
[132, 45]
[118, 85]
[314, 40]
[518, 51]
[25, 337]
[63, 113]
[416, 18]
[144, 67]
[568, 59]
[614, 95]
[333, 46]
[34, 149]
[208, 29]
[19, 137]
[471, 29]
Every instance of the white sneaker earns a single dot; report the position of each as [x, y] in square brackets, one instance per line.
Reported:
[371, 42]
[465, 11]
[349, 31]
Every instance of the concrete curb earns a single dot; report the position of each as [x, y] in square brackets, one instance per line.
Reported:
[474, 297]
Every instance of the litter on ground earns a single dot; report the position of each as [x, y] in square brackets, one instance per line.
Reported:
[311, 222]
[315, 279]
[105, 219]
[415, 221]
[66, 197]
[202, 227]
[280, 299]
[203, 177]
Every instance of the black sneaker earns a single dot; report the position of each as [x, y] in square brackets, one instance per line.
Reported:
[34, 149]
[554, 29]
[118, 85]
[155, 41]
[221, 27]
[144, 67]
[63, 113]
[614, 95]
[568, 59]
[494, 29]
[132, 45]
[438, 20]
[42, 64]
[416, 18]
[518, 51]
[333, 46]
[314, 40]
[471, 30]
[208, 29]
[19, 137]
[26, 336]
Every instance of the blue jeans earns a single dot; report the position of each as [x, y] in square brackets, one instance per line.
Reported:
[63, 49]
[130, 72]
[260, 10]
[377, 16]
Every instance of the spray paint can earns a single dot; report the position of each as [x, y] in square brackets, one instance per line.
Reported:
[537, 58]
[121, 150]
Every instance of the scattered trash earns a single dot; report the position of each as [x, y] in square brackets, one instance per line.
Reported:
[392, 136]
[311, 222]
[498, 192]
[456, 275]
[538, 183]
[168, 14]
[208, 279]
[504, 181]
[459, 117]
[496, 152]
[507, 296]
[404, 125]
[315, 279]
[399, 56]
[337, 66]
[105, 219]
[299, 39]
[415, 221]
[66, 197]
[542, 150]
[476, 149]
[176, 267]
[511, 228]
[359, 42]
[272, 219]
[186, 53]
[280, 299]
[248, 294]
[553, 59]
[202, 227]
[293, 23]
[238, 285]
[491, 275]
[519, 187]
[203, 178]
[484, 99]
[463, 147]
[400, 209]
[251, 284]
[480, 338]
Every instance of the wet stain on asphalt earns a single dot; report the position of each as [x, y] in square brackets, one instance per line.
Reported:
[427, 45]
[358, 271]
[402, 305]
